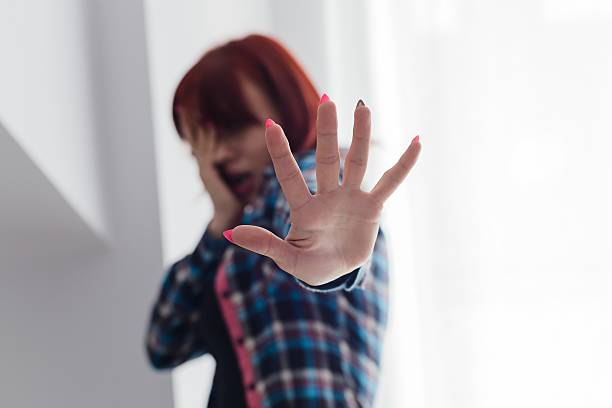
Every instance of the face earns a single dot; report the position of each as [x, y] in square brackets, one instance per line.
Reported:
[241, 156]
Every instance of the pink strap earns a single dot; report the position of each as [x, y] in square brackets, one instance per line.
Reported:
[230, 316]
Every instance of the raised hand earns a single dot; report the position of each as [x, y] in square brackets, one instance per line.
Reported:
[227, 208]
[334, 231]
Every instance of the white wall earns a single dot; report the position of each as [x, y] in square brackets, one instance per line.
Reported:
[73, 326]
[47, 101]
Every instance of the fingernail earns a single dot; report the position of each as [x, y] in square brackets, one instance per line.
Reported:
[228, 235]
[415, 140]
[359, 103]
[324, 98]
[269, 122]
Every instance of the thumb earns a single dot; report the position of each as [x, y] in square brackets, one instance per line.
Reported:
[264, 242]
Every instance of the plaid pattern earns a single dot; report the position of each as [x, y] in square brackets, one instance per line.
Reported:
[297, 345]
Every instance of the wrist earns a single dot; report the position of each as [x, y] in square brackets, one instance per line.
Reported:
[217, 225]
[216, 229]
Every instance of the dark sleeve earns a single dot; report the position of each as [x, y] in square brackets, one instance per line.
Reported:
[172, 337]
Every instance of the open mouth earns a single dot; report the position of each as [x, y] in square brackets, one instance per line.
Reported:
[241, 184]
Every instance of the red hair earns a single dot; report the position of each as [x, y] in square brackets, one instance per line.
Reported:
[212, 90]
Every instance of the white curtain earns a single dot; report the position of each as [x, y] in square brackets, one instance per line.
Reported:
[501, 237]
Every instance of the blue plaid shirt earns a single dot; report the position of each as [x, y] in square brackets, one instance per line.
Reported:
[296, 344]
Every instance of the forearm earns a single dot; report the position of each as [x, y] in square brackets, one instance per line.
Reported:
[218, 224]
[172, 336]
[171, 339]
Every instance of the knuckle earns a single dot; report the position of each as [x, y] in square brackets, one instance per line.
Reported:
[293, 174]
[358, 161]
[331, 159]
[326, 133]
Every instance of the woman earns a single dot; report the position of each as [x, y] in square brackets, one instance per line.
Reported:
[290, 322]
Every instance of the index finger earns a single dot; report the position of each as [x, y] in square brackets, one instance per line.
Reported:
[286, 168]
[207, 137]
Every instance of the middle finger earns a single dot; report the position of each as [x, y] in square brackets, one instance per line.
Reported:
[327, 155]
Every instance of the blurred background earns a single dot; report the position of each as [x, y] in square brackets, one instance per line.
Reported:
[500, 238]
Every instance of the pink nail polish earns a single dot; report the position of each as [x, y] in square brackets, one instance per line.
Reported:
[324, 98]
[415, 140]
[228, 235]
[269, 122]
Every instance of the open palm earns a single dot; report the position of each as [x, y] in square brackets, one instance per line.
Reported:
[334, 231]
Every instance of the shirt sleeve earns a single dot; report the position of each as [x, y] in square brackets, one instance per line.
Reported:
[172, 337]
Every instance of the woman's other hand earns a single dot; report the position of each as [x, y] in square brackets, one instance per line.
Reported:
[334, 231]
[227, 207]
